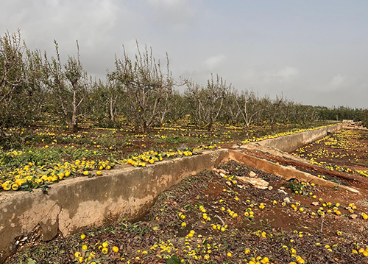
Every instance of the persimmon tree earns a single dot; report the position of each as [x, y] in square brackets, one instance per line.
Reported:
[21, 86]
[147, 90]
[206, 102]
[36, 89]
[180, 107]
[11, 76]
[231, 110]
[365, 118]
[250, 107]
[69, 84]
[105, 100]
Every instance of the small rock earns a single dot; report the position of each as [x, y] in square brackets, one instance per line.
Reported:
[252, 174]
[315, 203]
[287, 200]
[282, 188]
[353, 216]
[220, 171]
[282, 192]
[256, 182]
[270, 188]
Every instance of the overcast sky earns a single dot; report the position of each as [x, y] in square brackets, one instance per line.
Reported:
[311, 51]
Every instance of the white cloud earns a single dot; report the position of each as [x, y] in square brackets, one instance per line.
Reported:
[176, 14]
[166, 3]
[100, 26]
[203, 72]
[337, 81]
[91, 22]
[266, 75]
[286, 73]
[302, 63]
[214, 62]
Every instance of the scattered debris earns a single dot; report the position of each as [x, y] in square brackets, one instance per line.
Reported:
[256, 182]
[252, 174]
[282, 191]
[353, 216]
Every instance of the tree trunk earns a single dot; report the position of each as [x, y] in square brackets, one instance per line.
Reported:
[112, 115]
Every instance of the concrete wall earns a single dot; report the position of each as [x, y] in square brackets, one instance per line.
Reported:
[285, 172]
[81, 202]
[292, 142]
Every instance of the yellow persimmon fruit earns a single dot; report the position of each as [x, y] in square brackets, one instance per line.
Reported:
[115, 249]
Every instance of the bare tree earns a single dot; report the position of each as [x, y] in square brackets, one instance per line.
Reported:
[21, 80]
[114, 93]
[274, 109]
[249, 106]
[21, 86]
[105, 99]
[11, 72]
[232, 110]
[180, 107]
[147, 89]
[69, 85]
[34, 78]
[207, 102]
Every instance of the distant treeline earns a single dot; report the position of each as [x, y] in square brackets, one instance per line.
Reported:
[140, 89]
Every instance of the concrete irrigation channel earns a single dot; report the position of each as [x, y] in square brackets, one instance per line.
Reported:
[129, 192]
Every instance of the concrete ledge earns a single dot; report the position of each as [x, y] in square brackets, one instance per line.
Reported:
[283, 171]
[292, 142]
[81, 202]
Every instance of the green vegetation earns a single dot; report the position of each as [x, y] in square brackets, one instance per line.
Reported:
[55, 122]
[139, 93]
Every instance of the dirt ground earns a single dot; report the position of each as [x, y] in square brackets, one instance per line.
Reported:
[214, 217]
[346, 150]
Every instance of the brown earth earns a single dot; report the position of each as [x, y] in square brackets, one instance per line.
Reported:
[300, 222]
